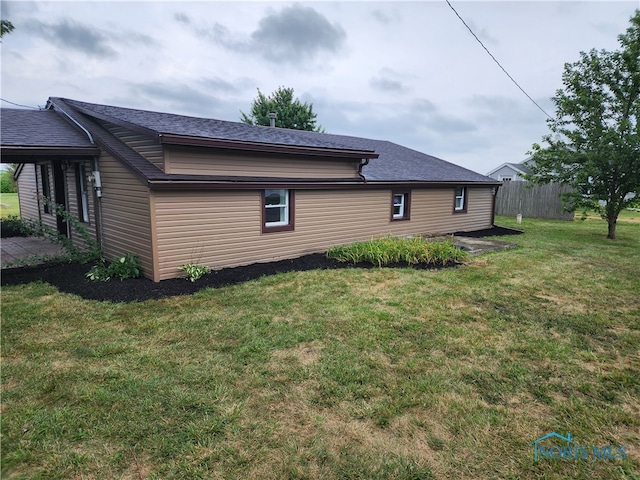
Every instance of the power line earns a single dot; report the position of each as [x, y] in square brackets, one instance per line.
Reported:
[495, 60]
[19, 105]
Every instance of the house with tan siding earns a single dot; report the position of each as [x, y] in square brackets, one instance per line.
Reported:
[175, 189]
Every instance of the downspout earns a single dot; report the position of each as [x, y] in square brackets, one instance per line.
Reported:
[97, 187]
[363, 163]
[493, 205]
[97, 184]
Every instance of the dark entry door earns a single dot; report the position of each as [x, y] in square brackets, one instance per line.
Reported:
[60, 196]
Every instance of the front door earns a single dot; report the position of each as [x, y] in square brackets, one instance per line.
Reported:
[60, 196]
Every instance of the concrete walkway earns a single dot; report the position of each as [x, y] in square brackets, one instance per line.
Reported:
[478, 246]
[17, 251]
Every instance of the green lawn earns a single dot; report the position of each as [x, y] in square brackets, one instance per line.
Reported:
[9, 205]
[350, 374]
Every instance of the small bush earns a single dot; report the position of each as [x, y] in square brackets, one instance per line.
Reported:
[123, 268]
[389, 250]
[99, 273]
[195, 271]
[12, 226]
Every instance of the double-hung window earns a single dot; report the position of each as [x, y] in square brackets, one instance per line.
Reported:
[277, 210]
[46, 188]
[460, 203]
[400, 202]
[81, 191]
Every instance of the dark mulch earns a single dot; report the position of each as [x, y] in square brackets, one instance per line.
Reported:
[70, 278]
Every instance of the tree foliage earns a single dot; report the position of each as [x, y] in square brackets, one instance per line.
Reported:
[290, 112]
[594, 144]
[7, 183]
[5, 27]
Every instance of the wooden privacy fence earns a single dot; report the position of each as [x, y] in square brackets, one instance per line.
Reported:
[532, 201]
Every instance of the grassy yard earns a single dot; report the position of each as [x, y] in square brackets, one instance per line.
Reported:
[350, 374]
[9, 205]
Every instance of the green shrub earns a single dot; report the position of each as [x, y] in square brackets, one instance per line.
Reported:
[123, 268]
[12, 226]
[99, 273]
[390, 249]
[195, 271]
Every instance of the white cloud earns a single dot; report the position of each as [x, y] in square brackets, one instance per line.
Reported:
[407, 72]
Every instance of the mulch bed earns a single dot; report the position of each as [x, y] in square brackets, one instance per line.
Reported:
[70, 278]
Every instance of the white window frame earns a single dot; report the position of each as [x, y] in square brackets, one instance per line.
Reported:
[83, 208]
[460, 199]
[402, 205]
[283, 207]
[505, 178]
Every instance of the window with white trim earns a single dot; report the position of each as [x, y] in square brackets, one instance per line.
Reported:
[505, 178]
[460, 204]
[400, 205]
[277, 210]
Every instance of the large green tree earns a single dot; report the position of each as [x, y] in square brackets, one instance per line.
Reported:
[290, 112]
[594, 143]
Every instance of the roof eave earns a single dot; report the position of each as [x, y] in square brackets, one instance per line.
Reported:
[306, 184]
[434, 183]
[21, 154]
[258, 147]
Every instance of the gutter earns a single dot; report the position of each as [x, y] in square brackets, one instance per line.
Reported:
[58, 108]
[363, 163]
[95, 175]
[311, 184]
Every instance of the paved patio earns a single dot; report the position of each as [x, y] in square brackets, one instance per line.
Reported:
[17, 251]
[478, 246]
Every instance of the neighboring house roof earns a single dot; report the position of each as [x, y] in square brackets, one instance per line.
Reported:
[387, 162]
[42, 132]
[521, 168]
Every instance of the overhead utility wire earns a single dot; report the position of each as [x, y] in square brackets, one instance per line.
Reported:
[19, 105]
[494, 59]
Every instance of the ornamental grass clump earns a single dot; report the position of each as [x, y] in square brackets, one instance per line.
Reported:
[392, 250]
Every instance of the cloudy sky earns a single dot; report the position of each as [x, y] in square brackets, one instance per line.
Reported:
[409, 72]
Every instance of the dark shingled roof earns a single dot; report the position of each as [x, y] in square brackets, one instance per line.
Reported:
[39, 128]
[168, 123]
[394, 164]
[401, 164]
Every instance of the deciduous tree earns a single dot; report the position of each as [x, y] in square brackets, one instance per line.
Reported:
[594, 143]
[290, 112]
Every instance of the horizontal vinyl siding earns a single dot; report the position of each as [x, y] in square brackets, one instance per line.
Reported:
[434, 209]
[28, 192]
[199, 162]
[223, 229]
[126, 222]
[145, 146]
